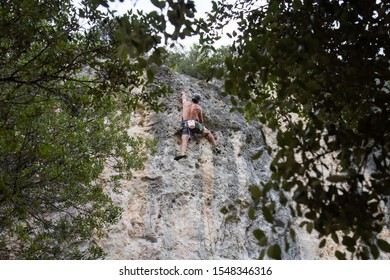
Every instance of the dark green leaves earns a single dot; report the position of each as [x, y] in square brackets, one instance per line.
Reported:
[383, 245]
[104, 3]
[61, 90]
[158, 4]
[252, 213]
[322, 243]
[335, 237]
[326, 97]
[267, 213]
[258, 154]
[274, 252]
[336, 178]
[339, 255]
[261, 237]
[256, 193]
[176, 17]
[350, 243]
[150, 72]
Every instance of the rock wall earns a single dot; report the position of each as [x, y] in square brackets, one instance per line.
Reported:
[196, 208]
[172, 209]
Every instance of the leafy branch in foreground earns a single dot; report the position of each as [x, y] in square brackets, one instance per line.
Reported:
[65, 104]
[317, 72]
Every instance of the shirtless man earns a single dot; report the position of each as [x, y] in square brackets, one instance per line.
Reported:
[193, 124]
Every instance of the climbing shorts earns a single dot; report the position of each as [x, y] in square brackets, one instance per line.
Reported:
[199, 129]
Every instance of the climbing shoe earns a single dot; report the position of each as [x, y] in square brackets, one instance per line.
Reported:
[180, 157]
[217, 150]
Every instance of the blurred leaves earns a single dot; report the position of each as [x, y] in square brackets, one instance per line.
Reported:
[274, 252]
[321, 83]
[383, 245]
[65, 104]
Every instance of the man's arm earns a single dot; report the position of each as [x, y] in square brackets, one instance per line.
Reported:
[200, 116]
[183, 97]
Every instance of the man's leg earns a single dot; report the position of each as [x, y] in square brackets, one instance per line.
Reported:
[183, 148]
[210, 137]
[184, 143]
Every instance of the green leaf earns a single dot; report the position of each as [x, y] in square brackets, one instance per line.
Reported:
[151, 72]
[259, 234]
[322, 243]
[262, 254]
[255, 192]
[302, 224]
[309, 227]
[282, 198]
[251, 213]
[274, 7]
[375, 251]
[261, 60]
[100, 2]
[257, 155]
[261, 237]
[348, 241]
[233, 101]
[267, 187]
[335, 237]
[340, 256]
[297, 4]
[229, 63]
[275, 252]
[224, 210]
[158, 4]
[267, 214]
[123, 51]
[383, 245]
[142, 62]
[279, 223]
[263, 241]
[337, 178]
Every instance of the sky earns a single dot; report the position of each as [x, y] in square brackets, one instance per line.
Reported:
[201, 6]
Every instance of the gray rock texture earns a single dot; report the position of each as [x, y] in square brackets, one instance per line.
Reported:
[197, 208]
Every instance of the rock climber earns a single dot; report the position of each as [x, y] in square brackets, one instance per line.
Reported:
[193, 124]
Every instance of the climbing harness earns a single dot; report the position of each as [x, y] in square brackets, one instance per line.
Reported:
[192, 127]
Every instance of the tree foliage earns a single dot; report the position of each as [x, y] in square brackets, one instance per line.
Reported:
[317, 72]
[65, 103]
[199, 62]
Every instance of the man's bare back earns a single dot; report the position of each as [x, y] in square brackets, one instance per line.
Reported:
[191, 111]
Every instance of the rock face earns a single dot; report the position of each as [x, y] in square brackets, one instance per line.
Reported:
[195, 208]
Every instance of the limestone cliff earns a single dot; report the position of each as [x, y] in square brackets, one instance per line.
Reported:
[196, 208]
